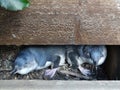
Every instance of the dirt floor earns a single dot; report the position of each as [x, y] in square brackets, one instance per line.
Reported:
[7, 57]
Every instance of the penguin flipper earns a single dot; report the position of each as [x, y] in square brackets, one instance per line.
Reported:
[72, 59]
[56, 62]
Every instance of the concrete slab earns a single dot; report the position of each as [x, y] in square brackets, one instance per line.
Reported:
[58, 85]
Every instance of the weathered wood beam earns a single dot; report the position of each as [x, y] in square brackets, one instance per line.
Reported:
[62, 22]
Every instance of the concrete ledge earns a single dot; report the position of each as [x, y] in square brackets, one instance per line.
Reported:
[58, 85]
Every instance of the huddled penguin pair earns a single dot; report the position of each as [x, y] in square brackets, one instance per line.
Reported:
[94, 55]
[37, 58]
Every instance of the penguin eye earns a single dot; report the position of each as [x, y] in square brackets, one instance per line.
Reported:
[26, 64]
[19, 68]
[102, 55]
[87, 55]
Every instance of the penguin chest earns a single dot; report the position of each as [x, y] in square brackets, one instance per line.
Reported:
[47, 64]
[28, 68]
[62, 60]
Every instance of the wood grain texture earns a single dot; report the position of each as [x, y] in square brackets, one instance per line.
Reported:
[62, 22]
[99, 22]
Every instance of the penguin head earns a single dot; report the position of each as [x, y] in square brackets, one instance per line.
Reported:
[93, 54]
[98, 54]
[24, 64]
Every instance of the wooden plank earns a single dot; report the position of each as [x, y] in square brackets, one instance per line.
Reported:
[98, 22]
[41, 23]
[58, 85]
[62, 22]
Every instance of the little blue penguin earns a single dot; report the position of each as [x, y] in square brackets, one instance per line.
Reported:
[37, 58]
[92, 54]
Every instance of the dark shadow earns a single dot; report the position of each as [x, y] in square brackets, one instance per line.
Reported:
[111, 65]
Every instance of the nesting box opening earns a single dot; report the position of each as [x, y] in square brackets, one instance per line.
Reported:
[107, 71]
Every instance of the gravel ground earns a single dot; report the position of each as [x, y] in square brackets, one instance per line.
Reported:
[7, 57]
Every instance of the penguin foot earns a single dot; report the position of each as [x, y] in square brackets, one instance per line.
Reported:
[50, 72]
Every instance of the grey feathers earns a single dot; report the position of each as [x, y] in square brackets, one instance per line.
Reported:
[41, 56]
[36, 58]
